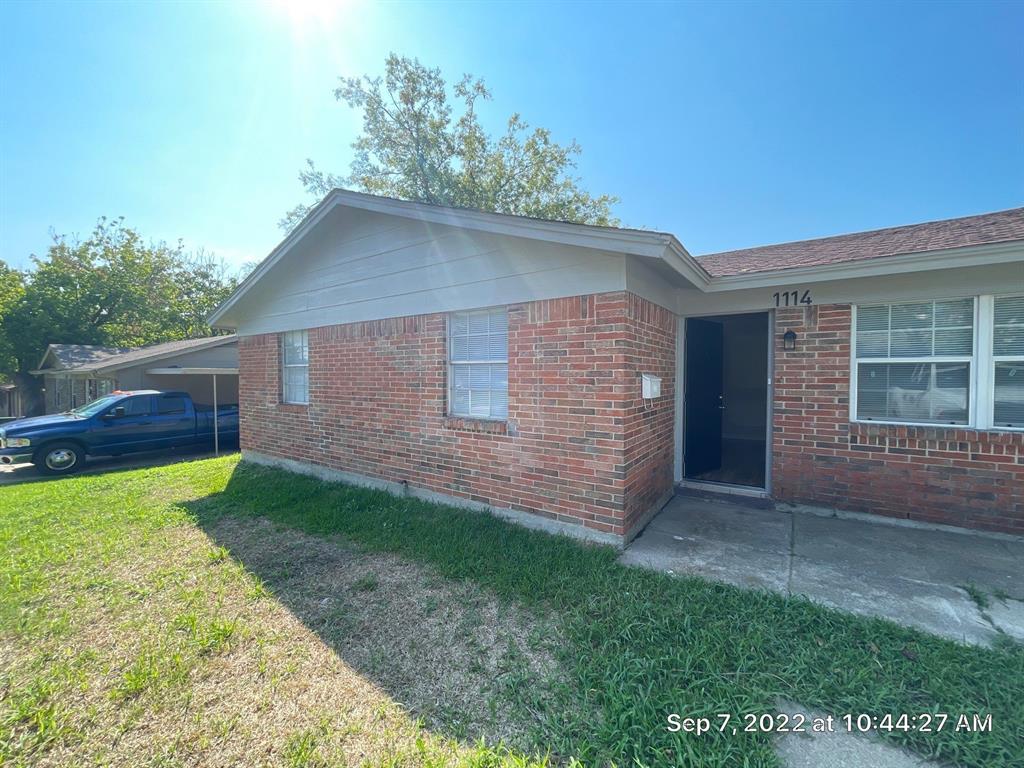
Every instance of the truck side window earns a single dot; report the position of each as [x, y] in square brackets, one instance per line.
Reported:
[166, 406]
[138, 406]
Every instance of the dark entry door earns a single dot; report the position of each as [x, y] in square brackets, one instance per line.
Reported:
[704, 348]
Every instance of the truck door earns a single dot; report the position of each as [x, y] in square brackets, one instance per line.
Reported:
[174, 421]
[126, 426]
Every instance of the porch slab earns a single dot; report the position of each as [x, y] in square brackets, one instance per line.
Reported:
[734, 544]
[963, 586]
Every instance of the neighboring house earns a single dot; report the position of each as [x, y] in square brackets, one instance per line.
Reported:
[69, 374]
[74, 374]
[10, 401]
[578, 373]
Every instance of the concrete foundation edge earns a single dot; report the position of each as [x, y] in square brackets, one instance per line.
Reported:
[526, 519]
[637, 528]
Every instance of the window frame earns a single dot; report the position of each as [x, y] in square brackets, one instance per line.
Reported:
[451, 363]
[981, 379]
[989, 413]
[285, 365]
[61, 391]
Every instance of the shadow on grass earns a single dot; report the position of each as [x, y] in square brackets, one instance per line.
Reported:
[27, 473]
[633, 645]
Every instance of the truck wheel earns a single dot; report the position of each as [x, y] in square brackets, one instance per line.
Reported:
[59, 459]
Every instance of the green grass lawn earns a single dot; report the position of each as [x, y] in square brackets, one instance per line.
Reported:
[214, 612]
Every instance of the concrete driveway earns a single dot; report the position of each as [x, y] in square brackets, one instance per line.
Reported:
[964, 586]
[11, 474]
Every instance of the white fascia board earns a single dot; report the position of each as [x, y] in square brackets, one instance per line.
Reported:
[999, 253]
[677, 257]
[192, 371]
[632, 242]
[655, 245]
[312, 219]
[42, 361]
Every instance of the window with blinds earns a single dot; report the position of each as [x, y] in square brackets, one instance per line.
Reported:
[1008, 361]
[295, 367]
[913, 361]
[478, 364]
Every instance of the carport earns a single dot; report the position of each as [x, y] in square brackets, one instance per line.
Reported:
[212, 373]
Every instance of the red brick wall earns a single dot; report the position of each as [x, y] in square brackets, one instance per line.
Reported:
[579, 445]
[649, 428]
[956, 476]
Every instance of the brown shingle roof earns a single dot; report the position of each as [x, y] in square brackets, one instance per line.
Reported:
[985, 229]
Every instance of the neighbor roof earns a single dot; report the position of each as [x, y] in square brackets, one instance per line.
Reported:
[985, 229]
[83, 358]
[76, 355]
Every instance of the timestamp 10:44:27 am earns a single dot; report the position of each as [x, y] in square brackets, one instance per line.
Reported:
[770, 722]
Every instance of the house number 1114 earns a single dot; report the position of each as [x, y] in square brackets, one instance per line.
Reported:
[792, 298]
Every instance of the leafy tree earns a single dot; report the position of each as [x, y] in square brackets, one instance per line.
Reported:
[412, 147]
[12, 288]
[110, 289]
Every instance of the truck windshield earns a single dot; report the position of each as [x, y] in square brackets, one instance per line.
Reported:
[91, 409]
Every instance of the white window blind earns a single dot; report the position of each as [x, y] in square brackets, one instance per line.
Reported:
[913, 361]
[1008, 361]
[478, 364]
[295, 367]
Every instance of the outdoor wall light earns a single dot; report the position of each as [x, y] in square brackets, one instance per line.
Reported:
[789, 340]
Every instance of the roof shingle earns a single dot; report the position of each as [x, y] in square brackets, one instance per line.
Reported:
[81, 357]
[76, 355]
[167, 348]
[985, 229]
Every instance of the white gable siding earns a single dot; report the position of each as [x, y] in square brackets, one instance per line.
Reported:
[654, 280]
[363, 266]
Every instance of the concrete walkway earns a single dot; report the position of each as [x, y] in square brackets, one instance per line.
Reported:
[962, 586]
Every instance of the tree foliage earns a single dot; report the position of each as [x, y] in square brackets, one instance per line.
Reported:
[12, 289]
[113, 289]
[413, 147]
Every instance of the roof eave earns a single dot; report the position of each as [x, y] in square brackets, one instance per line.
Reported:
[923, 261]
[46, 354]
[657, 245]
[677, 257]
[114, 366]
[311, 219]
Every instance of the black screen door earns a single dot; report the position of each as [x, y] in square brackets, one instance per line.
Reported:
[704, 348]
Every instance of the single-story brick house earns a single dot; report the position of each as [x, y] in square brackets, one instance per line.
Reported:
[579, 374]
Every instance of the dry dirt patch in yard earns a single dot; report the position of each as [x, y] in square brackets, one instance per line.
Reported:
[445, 651]
[253, 645]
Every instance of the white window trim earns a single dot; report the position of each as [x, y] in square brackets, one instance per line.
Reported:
[285, 366]
[989, 382]
[981, 401]
[450, 405]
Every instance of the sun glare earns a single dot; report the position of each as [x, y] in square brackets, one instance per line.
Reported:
[303, 14]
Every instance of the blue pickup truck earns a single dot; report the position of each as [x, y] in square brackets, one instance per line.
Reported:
[119, 423]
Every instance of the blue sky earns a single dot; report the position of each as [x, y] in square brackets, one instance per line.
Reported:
[729, 125]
